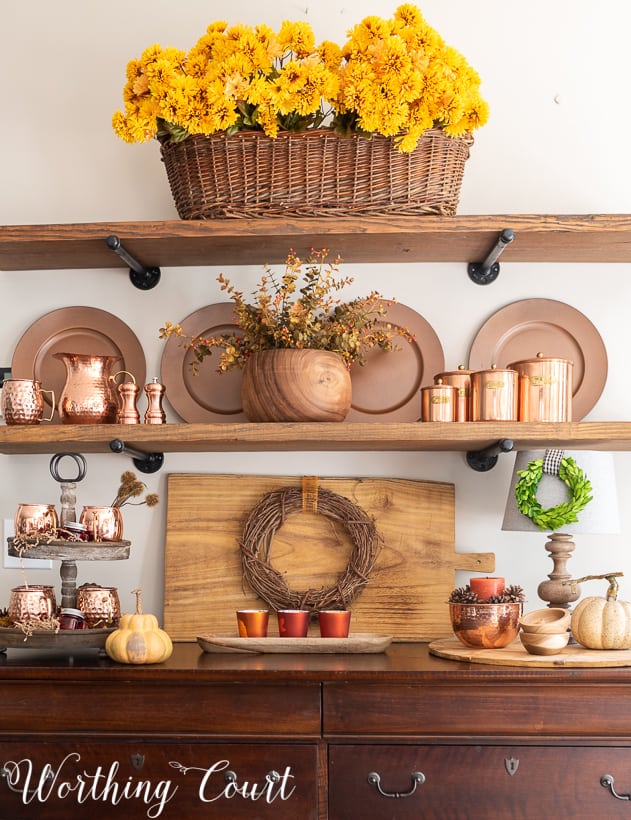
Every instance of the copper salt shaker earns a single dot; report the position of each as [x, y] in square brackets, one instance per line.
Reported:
[155, 393]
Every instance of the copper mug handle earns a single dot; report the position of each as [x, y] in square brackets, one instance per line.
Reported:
[52, 403]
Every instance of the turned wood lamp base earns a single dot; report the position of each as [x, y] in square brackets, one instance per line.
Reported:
[557, 592]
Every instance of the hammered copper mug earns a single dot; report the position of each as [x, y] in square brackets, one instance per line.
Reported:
[34, 602]
[23, 403]
[99, 605]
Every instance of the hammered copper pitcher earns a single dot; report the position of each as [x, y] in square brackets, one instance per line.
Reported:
[87, 397]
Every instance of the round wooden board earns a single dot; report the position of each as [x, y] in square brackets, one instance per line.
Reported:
[515, 655]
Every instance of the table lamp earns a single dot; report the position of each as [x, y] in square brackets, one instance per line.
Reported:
[550, 484]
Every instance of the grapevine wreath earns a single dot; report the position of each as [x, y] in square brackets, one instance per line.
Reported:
[565, 513]
[266, 518]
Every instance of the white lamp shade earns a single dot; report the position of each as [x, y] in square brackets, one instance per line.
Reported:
[600, 516]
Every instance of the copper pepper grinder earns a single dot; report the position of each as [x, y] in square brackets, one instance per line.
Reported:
[155, 393]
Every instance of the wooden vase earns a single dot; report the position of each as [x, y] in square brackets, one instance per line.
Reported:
[296, 385]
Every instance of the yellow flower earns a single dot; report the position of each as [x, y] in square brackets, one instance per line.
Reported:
[395, 77]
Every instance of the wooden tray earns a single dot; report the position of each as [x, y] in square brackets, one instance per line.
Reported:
[65, 639]
[515, 655]
[354, 644]
[407, 590]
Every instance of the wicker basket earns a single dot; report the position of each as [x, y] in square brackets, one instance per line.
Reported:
[313, 173]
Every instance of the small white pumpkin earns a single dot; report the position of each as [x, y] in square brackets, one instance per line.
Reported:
[138, 638]
[603, 623]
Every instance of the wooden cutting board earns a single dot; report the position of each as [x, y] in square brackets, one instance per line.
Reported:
[515, 655]
[408, 588]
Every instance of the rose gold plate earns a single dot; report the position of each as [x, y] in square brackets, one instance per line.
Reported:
[83, 330]
[523, 329]
[385, 389]
[210, 396]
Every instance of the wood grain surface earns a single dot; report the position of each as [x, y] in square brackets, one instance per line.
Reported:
[353, 645]
[515, 655]
[406, 595]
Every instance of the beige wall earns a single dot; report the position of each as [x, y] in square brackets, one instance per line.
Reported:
[556, 77]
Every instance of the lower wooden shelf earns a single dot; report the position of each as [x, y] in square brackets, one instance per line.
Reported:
[316, 436]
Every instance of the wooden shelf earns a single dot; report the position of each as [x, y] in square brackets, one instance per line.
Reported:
[322, 437]
[177, 243]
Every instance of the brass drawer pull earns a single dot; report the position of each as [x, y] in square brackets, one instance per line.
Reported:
[418, 778]
[607, 781]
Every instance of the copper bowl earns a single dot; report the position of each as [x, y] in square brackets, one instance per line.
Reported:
[486, 626]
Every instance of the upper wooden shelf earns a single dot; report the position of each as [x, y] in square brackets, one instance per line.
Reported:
[586, 238]
[460, 437]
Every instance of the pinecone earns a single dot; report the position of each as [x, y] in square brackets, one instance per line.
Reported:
[496, 599]
[464, 595]
[513, 594]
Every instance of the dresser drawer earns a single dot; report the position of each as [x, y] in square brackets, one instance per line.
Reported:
[476, 782]
[103, 779]
[260, 709]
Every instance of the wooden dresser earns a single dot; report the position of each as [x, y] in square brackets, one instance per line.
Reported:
[310, 736]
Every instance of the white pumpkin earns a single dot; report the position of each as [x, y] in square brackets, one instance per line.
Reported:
[603, 623]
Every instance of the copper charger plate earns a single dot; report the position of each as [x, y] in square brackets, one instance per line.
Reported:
[386, 388]
[85, 330]
[209, 396]
[523, 329]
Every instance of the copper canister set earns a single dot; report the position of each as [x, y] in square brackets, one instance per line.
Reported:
[538, 389]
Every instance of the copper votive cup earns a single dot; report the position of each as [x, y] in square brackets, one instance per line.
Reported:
[252, 623]
[334, 623]
[293, 623]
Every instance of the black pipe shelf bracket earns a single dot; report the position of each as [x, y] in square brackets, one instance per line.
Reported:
[483, 273]
[141, 277]
[484, 460]
[145, 462]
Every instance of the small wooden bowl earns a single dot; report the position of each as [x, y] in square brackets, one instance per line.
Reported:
[544, 644]
[546, 621]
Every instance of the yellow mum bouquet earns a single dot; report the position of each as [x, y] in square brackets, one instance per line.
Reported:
[394, 77]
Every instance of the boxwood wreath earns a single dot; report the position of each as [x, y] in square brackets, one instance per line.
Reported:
[264, 521]
[565, 513]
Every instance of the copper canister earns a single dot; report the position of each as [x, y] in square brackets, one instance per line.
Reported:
[461, 380]
[438, 402]
[494, 395]
[545, 389]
